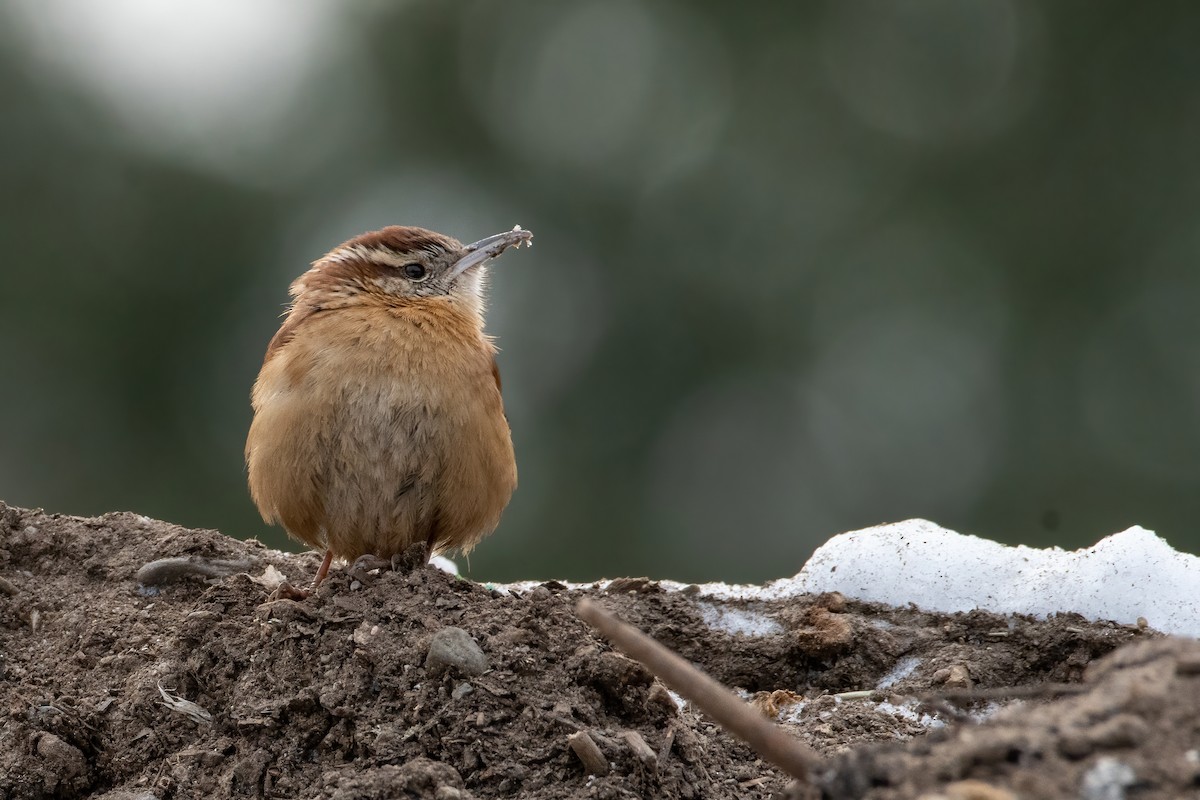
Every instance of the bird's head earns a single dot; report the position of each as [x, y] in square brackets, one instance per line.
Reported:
[397, 264]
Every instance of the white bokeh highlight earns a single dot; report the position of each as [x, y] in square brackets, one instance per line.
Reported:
[218, 84]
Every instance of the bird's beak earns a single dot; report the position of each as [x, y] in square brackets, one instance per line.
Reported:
[486, 249]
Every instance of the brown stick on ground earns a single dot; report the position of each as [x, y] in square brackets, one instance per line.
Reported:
[715, 700]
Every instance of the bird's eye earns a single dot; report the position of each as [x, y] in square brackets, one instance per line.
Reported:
[415, 272]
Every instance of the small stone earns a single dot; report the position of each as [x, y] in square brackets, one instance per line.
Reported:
[454, 647]
[970, 790]
[1107, 780]
[977, 790]
[66, 760]
[834, 602]
[462, 690]
[364, 634]
[959, 677]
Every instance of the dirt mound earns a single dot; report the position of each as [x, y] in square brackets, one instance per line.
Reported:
[192, 682]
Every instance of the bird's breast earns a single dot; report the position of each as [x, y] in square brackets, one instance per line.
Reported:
[369, 425]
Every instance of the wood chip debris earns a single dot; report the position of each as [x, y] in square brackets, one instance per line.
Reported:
[594, 762]
[641, 751]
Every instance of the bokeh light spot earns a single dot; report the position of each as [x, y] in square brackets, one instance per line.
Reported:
[932, 70]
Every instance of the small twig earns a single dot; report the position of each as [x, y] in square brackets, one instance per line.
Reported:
[641, 750]
[594, 762]
[169, 570]
[715, 700]
[664, 750]
[1005, 692]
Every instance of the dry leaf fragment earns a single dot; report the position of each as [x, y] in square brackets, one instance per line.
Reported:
[186, 707]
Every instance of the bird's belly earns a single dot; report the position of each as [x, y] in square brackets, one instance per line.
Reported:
[379, 441]
[399, 470]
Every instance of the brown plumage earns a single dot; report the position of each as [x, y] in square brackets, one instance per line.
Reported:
[378, 422]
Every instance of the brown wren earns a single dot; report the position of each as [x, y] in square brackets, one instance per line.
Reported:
[378, 423]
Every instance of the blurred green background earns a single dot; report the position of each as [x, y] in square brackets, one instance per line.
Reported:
[799, 268]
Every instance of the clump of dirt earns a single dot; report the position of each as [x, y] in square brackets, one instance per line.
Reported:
[1132, 728]
[143, 660]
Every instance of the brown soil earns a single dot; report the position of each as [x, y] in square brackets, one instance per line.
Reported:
[200, 685]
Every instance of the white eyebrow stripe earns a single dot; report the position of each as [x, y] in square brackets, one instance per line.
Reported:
[379, 255]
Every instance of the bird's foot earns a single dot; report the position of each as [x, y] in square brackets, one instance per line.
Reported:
[286, 591]
[365, 564]
[414, 557]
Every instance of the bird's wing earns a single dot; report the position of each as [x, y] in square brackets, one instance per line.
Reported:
[287, 331]
[496, 375]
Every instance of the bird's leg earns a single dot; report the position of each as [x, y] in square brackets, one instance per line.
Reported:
[324, 570]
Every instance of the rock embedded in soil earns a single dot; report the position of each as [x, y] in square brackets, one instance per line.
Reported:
[453, 647]
[63, 762]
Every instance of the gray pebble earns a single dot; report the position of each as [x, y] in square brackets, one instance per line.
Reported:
[454, 647]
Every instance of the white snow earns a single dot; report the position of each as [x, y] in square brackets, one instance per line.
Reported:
[738, 621]
[1123, 577]
[907, 712]
[1129, 575]
[444, 564]
[904, 667]
[793, 714]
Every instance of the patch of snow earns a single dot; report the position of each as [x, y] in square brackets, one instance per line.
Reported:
[444, 564]
[1124, 577]
[792, 713]
[738, 621]
[982, 714]
[904, 667]
[906, 712]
